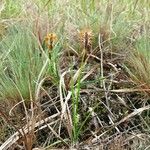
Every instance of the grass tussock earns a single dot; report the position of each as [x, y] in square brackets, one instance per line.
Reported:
[74, 74]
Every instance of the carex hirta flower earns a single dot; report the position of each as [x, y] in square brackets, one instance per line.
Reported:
[85, 36]
[86, 39]
[50, 40]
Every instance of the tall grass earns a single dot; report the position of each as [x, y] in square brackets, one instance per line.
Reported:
[139, 62]
[11, 10]
[26, 62]
[21, 63]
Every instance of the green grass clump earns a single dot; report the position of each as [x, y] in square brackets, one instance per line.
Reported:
[21, 64]
[139, 61]
[11, 9]
[78, 77]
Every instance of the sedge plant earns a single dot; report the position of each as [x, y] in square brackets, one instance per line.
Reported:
[21, 63]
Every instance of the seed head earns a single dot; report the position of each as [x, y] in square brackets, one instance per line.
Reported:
[86, 38]
[50, 39]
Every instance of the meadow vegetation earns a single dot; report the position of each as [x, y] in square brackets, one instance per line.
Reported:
[75, 74]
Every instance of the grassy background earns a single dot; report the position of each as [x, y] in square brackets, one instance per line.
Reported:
[93, 82]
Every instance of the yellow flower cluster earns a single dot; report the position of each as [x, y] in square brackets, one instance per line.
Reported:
[50, 40]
